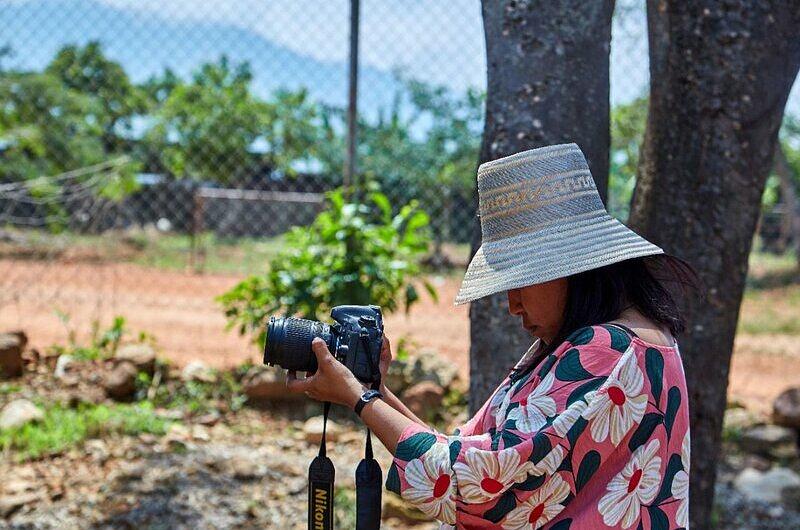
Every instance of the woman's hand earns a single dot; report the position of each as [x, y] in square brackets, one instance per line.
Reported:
[331, 382]
[386, 359]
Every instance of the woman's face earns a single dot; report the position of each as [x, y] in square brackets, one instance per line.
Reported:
[541, 307]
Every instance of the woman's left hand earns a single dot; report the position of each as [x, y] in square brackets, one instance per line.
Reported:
[331, 382]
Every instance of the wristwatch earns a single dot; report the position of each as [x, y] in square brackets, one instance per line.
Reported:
[366, 397]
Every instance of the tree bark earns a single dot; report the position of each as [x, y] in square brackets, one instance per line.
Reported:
[547, 84]
[720, 75]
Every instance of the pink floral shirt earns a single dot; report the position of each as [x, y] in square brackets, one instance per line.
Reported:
[596, 436]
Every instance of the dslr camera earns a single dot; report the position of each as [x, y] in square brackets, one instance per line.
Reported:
[355, 339]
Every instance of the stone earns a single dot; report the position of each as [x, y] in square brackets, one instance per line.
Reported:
[143, 356]
[786, 408]
[11, 348]
[11, 503]
[424, 398]
[766, 487]
[426, 365]
[395, 506]
[768, 439]
[120, 382]
[19, 412]
[263, 384]
[738, 419]
[198, 371]
[312, 430]
[63, 365]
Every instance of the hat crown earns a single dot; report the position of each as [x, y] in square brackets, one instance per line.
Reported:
[535, 189]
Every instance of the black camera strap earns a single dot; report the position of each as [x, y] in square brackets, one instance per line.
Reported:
[369, 479]
[320, 484]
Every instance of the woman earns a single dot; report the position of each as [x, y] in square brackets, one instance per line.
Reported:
[591, 427]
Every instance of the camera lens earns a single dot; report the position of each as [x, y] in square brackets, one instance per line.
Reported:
[288, 342]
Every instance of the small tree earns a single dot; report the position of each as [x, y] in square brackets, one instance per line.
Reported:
[353, 253]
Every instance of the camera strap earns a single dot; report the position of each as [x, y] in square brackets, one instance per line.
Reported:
[320, 484]
[369, 485]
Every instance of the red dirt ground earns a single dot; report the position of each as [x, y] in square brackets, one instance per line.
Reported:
[179, 310]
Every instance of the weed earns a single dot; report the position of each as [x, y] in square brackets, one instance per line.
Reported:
[64, 427]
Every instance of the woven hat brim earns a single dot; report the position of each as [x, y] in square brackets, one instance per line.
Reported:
[546, 255]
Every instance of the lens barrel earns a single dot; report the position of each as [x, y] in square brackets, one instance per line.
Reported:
[288, 342]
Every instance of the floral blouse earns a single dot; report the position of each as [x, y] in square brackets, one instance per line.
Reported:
[596, 436]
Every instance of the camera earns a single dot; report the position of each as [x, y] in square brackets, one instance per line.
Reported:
[355, 339]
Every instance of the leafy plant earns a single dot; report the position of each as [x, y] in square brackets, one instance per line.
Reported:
[103, 343]
[353, 253]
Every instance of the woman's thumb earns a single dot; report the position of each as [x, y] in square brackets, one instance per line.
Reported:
[321, 351]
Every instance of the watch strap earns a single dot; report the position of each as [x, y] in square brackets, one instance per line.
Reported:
[366, 397]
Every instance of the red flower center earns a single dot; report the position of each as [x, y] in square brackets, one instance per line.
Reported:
[536, 513]
[491, 485]
[524, 401]
[617, 395]
[441, 486]
[635, 478]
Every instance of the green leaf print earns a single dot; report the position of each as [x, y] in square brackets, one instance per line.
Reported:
[415, 446]
[588, 467]
[619, 339]
[654, 364]
[645, 430]
[570, 367]
[673, 403]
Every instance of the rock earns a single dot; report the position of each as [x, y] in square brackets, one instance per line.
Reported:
[766, 487]
[11, 347]
[394, 506]
[63, 365]
[786, 408]
[424, 398]
[244, 468]
[142, 356]
[427, 365]
[120, 382]
[198, 371]
[312, 430]
[791, 495]
[209, 419]
[263, 384]
[769, 440]
[738, 419]
[11, 503]
[19, 412]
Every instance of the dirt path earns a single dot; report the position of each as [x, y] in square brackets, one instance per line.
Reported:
[179, 310]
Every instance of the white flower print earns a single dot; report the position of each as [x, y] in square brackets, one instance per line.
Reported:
[497, 403]
[548, 464]
[620, 406]
[430, 484]
[486, 474]
[565, 420]
[540, 508]
[635, 485]
[680, 484]
[534, 408]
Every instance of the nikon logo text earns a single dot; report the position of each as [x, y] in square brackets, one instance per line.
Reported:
[320, 507]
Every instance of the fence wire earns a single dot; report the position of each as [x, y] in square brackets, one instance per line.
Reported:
[144, 142]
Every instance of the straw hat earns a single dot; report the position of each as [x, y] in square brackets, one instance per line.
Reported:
[542, 219]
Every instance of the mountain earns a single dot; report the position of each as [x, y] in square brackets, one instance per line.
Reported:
[145, 45]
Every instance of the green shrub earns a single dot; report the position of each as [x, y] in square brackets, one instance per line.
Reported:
[353, 253]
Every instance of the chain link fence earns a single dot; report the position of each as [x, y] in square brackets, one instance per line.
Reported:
[144, 142]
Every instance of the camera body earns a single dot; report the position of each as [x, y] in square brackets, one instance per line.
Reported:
[355, 339]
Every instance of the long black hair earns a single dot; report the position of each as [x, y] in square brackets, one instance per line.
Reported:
[653, 285]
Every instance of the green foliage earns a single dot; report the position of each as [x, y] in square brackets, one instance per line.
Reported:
[204, 128]
[627, 133]
[197, 397]
[64, 427]
[353, 253]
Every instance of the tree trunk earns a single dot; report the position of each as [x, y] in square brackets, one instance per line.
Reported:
[547, 84]
[720, 75]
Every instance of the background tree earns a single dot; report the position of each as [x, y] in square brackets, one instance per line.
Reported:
[720, 75]
[548, 67]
